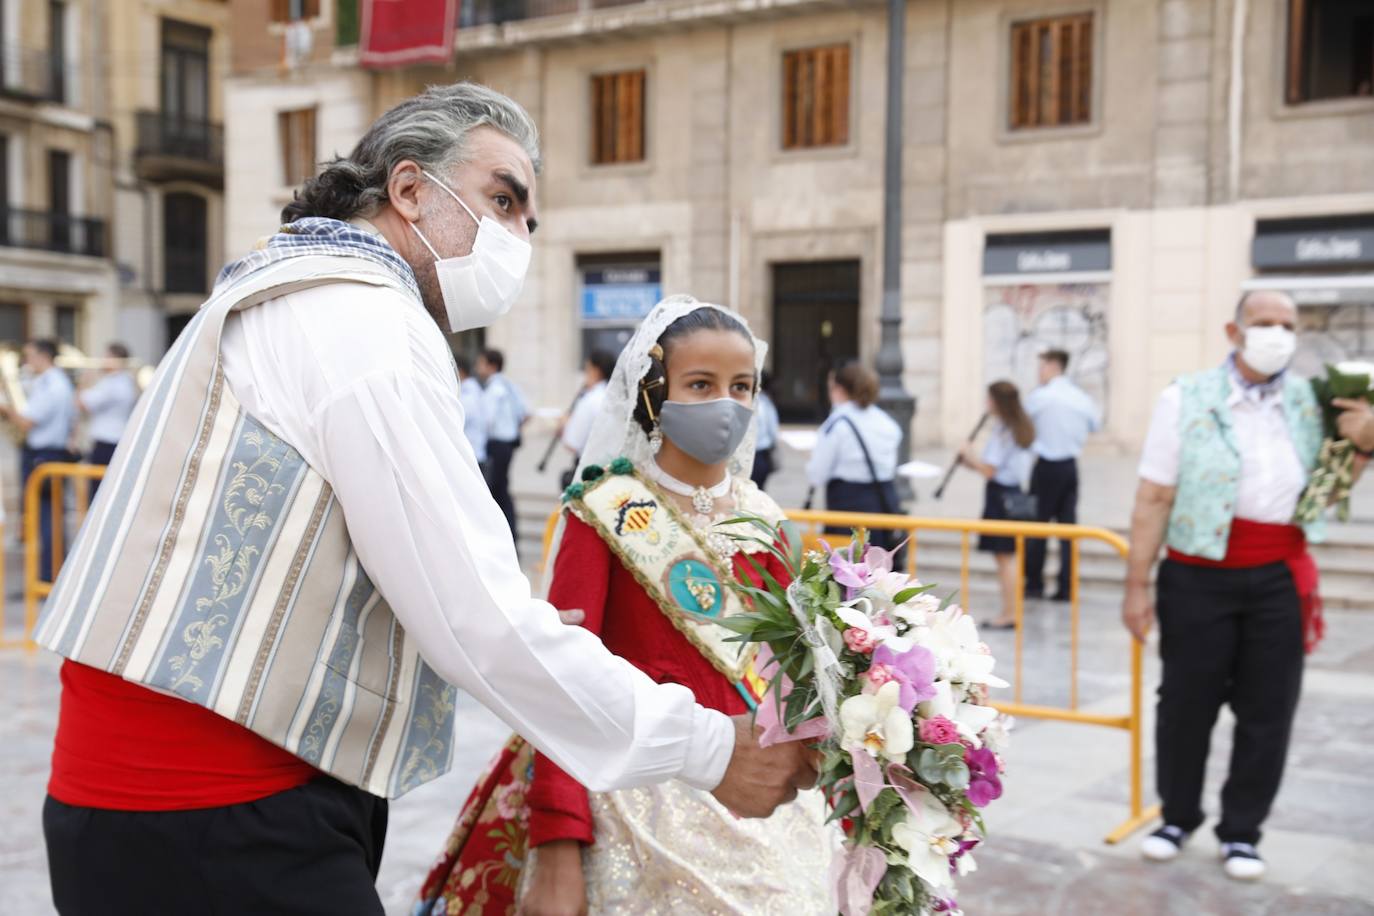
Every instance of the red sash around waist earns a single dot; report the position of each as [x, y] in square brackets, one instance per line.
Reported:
[1258, 544]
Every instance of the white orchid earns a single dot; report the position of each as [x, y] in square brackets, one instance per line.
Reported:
[918, 611]
[929, 839]
[970, 718]
[877, 723]
[997, 735]
[953, 637]
[858, 615]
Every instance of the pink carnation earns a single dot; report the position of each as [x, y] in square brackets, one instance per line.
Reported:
[860, 640]
[877, 676]
[939, 730]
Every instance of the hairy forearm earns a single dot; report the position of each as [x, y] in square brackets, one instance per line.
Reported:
[1149, 520]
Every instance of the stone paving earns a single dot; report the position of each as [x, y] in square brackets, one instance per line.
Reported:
[1067, 788]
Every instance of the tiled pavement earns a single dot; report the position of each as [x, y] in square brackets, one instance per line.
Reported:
[1066, 789]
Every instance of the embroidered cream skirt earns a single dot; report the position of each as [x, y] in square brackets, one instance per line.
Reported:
[670, 849]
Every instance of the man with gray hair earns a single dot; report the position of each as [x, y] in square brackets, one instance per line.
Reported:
[294, 561]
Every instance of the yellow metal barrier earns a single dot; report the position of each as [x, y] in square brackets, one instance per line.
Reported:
[813, 521]
[58, 473]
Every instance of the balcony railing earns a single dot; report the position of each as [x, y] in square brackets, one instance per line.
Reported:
[162, 134]
[495, 12]
[44, 230]
[36, 75]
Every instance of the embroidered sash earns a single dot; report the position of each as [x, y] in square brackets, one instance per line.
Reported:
[670, 559]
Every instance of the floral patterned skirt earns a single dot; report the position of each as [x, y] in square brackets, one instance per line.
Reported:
[660, 849]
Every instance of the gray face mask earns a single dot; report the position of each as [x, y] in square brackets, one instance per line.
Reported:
[709, 431]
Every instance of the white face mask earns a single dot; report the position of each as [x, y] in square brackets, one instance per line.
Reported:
[1269, 350]
[480, 287]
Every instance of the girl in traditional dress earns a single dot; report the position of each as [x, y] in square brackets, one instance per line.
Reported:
[639, 552]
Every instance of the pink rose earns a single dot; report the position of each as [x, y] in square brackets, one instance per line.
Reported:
[939, 730]
[860, 640]
[876, 677]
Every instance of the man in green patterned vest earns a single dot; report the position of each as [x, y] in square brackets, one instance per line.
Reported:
[293, 562]
[1228, 454]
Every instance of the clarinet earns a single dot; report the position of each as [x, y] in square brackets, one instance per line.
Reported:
[953, 465]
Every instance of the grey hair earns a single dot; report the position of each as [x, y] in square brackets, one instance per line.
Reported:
[430, 129]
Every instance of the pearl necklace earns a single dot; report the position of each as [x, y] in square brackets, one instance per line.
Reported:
[703, 498]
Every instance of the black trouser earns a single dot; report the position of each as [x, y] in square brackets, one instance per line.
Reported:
[30, 459]
[1055, 487]
[763, 467]
[851, 496]
[101, 453]
[310, 850]
[1229, 636]
[499, 456]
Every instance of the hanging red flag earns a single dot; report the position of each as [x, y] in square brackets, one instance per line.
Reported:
[397, 33]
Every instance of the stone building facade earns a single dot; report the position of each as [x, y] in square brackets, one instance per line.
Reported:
[57, 278]
[1100, 176]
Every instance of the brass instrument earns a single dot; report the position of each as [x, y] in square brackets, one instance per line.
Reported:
[70, 359]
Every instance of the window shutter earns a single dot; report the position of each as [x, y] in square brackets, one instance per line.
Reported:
[1051, 70]
[617, 109]
[815, 97]
[1297, 27]
[281, 10]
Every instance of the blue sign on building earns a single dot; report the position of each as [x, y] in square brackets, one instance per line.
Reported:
[625, 295]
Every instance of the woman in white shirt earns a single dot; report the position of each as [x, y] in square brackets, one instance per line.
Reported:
[856, 454]
[1006, 463]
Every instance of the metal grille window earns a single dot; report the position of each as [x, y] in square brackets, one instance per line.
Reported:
[1052, 71]
[297, 132]
[69, 324]
[185, 242]
[815, 97]
[618, 117]
[1330, 50]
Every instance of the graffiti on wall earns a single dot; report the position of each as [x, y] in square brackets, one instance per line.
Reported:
[1332, 333]
[1020, 322]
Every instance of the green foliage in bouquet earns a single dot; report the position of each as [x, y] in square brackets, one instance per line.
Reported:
[1334, 474]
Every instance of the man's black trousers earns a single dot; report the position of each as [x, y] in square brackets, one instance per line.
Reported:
[1230, 636]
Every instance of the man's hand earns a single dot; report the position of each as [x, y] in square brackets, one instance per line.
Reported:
[1356, 422]
[1138, 610]
[760, 779]
[557, 886]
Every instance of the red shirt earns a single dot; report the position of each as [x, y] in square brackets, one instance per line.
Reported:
[587, 575]
[123, 746]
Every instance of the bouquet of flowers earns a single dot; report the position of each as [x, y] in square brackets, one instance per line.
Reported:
[1331, 480]
[893, 684]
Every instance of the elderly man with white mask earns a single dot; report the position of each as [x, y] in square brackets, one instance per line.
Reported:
[1228, 454]
[294, 561]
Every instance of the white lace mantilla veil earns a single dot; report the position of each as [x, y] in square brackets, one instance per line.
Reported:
[616, 434]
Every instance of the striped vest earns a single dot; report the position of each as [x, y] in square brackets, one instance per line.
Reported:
[215, 565]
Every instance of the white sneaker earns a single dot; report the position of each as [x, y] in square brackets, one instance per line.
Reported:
[1164, 844]
[1242, 862]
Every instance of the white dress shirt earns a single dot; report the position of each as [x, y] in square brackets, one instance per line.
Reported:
[768, 425]
[109, 403]
[838, 455]
[474, 416]
[1063, 415]
[506, 409]
[584, 413]
[1271, 473]
[361, 382]
[1012, 463]
[51, 408]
